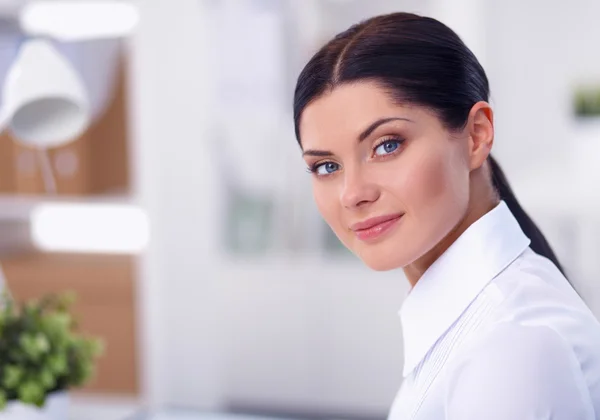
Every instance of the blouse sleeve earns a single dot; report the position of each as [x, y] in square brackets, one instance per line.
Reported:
[518, 372]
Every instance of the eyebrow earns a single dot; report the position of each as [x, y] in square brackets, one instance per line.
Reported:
[362, 136]
[369, 130]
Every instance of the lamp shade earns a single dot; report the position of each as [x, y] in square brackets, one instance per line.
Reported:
[44, 100]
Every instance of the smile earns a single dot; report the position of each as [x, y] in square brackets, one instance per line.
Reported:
[374, 228]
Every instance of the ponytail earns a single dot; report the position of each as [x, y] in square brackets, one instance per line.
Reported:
[539, 244]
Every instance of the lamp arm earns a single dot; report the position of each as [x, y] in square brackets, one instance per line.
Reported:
[47, 172]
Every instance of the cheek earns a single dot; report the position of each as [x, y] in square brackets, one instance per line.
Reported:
[435, 191]
[428, 182]
[418, 182]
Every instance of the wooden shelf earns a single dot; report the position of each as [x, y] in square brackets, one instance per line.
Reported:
[16, 207]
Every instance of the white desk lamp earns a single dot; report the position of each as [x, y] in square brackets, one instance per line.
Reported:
[44, 97]
[44, 101]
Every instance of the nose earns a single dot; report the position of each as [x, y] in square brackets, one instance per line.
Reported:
[358, 191]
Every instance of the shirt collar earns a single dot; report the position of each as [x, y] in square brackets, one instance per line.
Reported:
[455, 279]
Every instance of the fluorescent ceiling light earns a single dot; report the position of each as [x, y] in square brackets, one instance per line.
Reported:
[89, 228]
[77, 20]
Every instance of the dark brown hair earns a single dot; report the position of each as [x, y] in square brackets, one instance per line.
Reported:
[417, 60]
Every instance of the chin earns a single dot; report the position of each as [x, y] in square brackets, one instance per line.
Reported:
[382, 265]
[384, 256]
[381, 261]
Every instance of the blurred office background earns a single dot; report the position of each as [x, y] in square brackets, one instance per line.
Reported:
[183, 217]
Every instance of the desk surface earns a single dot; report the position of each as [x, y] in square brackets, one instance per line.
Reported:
[98, 408]
[191, 415]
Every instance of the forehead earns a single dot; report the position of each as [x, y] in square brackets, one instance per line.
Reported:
[346, 111]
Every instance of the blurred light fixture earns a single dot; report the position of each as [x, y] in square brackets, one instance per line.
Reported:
[77, 20]
[90, 228]
[44, 100]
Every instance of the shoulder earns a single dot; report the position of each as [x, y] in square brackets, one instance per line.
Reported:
[516, 345]
[532, 272]
[532, 291]
[514, 371]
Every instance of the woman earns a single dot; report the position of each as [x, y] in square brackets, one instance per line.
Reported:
[394, 124]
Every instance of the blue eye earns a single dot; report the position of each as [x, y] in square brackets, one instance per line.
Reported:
[387, 147]
[326, 168]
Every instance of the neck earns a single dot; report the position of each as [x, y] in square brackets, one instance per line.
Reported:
[476, 209]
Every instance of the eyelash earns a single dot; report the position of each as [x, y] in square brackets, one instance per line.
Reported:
[390, 139]
[397, 139]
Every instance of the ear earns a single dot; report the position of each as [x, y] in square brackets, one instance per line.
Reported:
[480, 126]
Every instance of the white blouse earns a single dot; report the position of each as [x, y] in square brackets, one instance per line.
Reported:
[493, 331]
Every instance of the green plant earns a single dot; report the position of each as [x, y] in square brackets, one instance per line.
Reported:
[40, 351]
[587, 101]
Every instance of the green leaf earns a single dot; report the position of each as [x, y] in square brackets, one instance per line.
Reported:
[40, 350]
[30, 346]
[3, 400]
[66, 300]
[12, 376]
[47, 379]
[58, 324]
[57, 363]
[41, 343]
[31, 392]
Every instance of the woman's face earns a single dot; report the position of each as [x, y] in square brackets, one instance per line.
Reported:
[390, 180]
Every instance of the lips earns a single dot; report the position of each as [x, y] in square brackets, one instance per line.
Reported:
[375, 227]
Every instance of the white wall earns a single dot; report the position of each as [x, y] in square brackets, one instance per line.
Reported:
[171, 108]
[537, 52]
